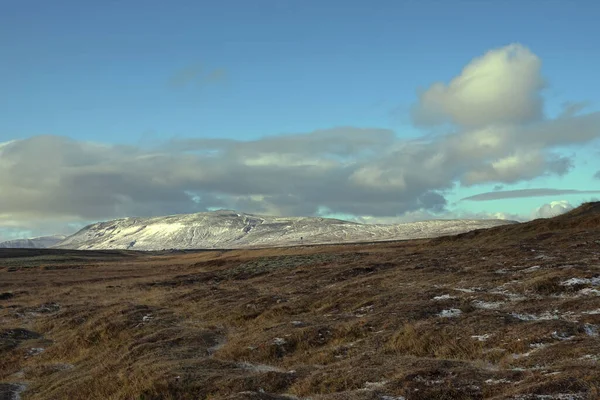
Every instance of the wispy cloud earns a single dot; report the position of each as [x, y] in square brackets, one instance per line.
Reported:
[512, 194]
[196, 75]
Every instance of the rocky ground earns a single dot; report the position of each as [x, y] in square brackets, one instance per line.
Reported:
[511, 312]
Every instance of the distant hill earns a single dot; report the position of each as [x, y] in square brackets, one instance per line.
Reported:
[229, 229]
[33, 243]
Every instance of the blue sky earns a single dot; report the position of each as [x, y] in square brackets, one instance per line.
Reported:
[146, 74]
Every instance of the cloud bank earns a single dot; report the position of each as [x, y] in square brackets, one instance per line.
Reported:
[498, 136]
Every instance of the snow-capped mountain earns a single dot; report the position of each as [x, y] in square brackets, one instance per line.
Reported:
[33, 243]
[229, 229]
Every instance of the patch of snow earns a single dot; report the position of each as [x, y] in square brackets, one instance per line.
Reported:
[497, 381]
[443, 297]
[452, 312]
[561, 336]
[538, 346]
[517, 356]
[375, 385]
[262, 368]
[592, 312]
[531, 269]
[589, 292]
[546, 316]
[591, 330]
[470, 290]
[361, 312]
[428, 382]
[34, 351]
[581, 281]
[279, 341]
[487, 305]
[558, 396]
[511, 296]
[482, 338]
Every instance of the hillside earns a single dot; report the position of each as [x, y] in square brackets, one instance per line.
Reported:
[229, 229]
[511, 312]
[33, 243]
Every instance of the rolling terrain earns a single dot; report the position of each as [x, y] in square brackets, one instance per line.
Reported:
[229, 229]
[33, 243]
[510, 312]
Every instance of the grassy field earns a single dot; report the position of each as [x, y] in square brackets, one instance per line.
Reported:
[507, 313]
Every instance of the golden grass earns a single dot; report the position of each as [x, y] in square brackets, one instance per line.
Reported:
[325, 322]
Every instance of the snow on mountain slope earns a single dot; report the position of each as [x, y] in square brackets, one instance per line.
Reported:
[33, 243]
[228, 229]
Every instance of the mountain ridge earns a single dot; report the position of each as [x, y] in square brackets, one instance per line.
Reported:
[41, 242]
[231, 229]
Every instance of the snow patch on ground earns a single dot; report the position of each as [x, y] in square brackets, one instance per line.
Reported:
[34, 351]
[497, 381]
[589, 292]
[591, 330]
[494, 305]
[262, 368]
[443, 297]
[581, 281]
[470, 290]
[428, 382]
[511, 296]
[592, 312]
[558, 396]
[545, 316]
[375, 385]
[452, 312]
[561, 336]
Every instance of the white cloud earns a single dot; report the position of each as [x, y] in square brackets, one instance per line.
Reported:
[552, 209]
[502, 86]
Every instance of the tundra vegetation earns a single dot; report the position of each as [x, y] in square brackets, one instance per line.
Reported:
[511, 312]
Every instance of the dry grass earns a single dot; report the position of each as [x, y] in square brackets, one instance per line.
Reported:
[325, 322]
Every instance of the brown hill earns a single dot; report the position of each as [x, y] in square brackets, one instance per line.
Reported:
[569, 227]
[505, 313]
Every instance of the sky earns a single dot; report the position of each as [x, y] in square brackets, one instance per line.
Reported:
[381, 112]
